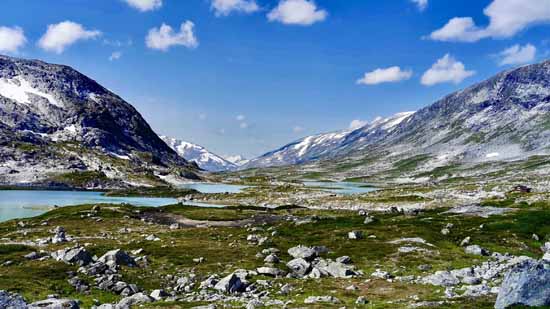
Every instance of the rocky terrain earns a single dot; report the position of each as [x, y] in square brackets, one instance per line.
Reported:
[57, 125]
[190, 257]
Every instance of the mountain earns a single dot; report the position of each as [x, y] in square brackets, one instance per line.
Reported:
[506, 117]
[55, 120]
[318, 146]
[237, 160]
[205, 159]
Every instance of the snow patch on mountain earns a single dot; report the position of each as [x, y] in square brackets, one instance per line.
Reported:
[18, 89]
[205, 159]
[237, 159]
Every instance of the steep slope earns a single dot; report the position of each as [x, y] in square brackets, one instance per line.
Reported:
[503, 118]
[54, 119]
[205, 159]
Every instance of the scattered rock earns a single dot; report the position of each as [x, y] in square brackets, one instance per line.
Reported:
[55, 303]
[117, 257]
[465, 241]
[233, 283]
[11, 300]
[76, 255]
[159, 294]
[441, 278]
[302, 252]
[361, 300]
[270, 271]
[476, 250]
[321, 299]
[272, 258]
[355, 235]
[299, 267]
[136, 299]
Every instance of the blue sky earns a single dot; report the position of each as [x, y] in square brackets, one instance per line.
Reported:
[245, 77]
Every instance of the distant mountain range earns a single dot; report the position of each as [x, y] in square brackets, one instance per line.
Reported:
[506, 117]
[205, 159]
[57, 125]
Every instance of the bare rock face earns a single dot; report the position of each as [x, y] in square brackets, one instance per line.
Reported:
[527, 284]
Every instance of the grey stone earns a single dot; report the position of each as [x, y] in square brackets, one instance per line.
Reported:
[270, 271]
[158, 294]
[441, 278]
[136, 299]
[299, 267]
[231, 284]
[302, 252]
[11, 300]
[355, 235]
[476, 250]
[55, 303]
[527, 284]
[78, 256]
[344, 259]
[272, 258]
[117, 257]
[361, 300]
[321, 299]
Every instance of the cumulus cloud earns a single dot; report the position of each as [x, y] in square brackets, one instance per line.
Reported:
[165, 37]
[517, 54]
[506, 18]
[11, 39]
[421, 4]
[387, 75]
[297, 12]
[115, 56]
[145, 5]
[226, 7]
[446, 70]
[357, 123]
[60, 36]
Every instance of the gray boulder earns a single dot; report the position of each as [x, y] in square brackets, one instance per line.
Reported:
[299, 267]
[321, 299]
[136, 299]
[527, 284]
[77, 255]
[55, 303]
[302, 252]
[231, 284]
[117, 257]
[441, 278]
[11, 301]
[476, 250]
[270, 271]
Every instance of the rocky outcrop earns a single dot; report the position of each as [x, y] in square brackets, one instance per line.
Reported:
[527, 284]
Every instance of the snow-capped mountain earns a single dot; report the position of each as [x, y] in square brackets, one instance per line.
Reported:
[205, 159]
[237, 160]
[54, 119]
[327, 144]
[505, 117]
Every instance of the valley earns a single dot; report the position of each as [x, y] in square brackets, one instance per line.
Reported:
[423, 209]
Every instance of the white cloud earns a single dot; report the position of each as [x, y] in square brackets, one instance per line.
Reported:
[297, 129]
[115, 56]
[506, 18]
[243, 125]
[445, 70]
[164, 37]
[387, 75]
[145, 5]
[240, 117]
[226, 7]
[60, 36]
[421, 4]
[517, 54]
[297, 12]
[11, 39]
[357, 123]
